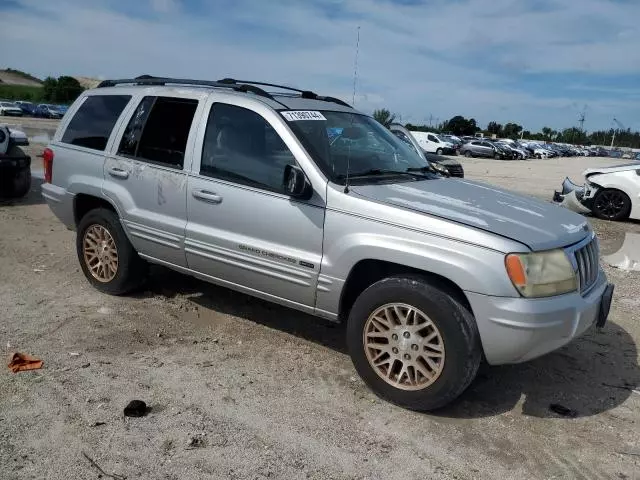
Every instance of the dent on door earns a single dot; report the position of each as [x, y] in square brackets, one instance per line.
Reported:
[151, 203]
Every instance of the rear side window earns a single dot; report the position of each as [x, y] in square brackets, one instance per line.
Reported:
[158, 130]
[92, 124]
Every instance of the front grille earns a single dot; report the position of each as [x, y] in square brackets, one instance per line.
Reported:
[588, 264]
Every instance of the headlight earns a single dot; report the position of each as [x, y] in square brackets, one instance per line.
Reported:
[541, 274]
[440, 169]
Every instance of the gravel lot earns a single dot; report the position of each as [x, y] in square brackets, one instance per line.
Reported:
[242, 389]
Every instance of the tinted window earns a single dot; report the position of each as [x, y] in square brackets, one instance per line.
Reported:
[131, 138]
[240, 146]
[402, 136]
[432, 138]
[162, 136]
[92, 124]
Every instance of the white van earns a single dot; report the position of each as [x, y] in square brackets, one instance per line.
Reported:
[431, 143]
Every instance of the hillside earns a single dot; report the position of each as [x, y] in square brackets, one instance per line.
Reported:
[16, 77]
[87, 82]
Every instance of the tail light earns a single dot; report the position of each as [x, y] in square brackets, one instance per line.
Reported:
[47, 160]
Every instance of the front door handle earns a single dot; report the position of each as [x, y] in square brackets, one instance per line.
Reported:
[118, 172]
[206, 196]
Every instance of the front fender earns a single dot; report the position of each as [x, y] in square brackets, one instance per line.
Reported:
[350, 239]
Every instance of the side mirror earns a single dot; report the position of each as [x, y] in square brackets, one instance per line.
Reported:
[296, 184]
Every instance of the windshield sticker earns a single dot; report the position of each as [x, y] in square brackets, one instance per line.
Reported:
[296, 115]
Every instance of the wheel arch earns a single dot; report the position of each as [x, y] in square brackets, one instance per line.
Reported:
[84, 203]
[369, 271]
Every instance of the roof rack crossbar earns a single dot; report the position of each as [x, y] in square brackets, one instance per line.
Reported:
[149, 80]
[303, 93]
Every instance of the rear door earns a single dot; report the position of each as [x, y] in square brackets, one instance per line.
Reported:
[243, 230]
[145, 175]
[487, 149]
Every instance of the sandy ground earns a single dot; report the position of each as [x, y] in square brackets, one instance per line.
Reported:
[242, 389]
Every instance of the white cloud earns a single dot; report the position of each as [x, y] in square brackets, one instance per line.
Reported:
[439, 60]
[165, 6]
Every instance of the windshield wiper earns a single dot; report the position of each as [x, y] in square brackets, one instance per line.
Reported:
[382, 171]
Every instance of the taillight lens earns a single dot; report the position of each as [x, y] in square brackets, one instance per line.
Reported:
[47, 160]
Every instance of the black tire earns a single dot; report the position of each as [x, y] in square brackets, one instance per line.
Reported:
[439, 151]
[131, 271]
[457, 328]
[611, 204]
[22, 183]
[468, 153]
[16, 183]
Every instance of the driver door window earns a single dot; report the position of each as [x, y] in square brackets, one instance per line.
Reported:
[241, 147]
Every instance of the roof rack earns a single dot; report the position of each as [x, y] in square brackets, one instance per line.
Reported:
[246, 86]
[151, 80]
[303, 93]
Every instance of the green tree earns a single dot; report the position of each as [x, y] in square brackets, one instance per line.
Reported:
[49, 88]
[495, 128]
[67, 89]
[512, 130]
[459, 125]
[384, 116]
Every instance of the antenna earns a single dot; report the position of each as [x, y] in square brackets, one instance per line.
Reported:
[355, 68]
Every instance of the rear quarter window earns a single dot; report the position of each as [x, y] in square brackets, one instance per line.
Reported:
[92, 124]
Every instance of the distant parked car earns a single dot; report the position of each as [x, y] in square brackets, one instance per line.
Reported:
[27, 108]
[432, 143]
[10, 109]
[615, 154]
[48, 111]
[479, 148]
[444, 165]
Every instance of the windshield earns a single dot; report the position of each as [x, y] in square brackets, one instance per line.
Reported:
[7, 104]
[341, 140]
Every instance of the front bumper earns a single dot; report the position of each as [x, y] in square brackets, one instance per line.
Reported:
[575, 197]
[514, 330]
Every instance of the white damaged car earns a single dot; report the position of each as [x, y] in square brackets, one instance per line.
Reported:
[611, 193]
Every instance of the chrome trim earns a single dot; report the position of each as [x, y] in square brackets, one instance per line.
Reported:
[585, 260]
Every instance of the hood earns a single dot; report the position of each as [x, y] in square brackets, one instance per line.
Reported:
[617, 168]
[536, 224]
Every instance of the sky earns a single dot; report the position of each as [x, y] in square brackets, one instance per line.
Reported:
[534, 62]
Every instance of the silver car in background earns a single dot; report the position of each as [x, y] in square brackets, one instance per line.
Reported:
[479, 148]
[301, 200]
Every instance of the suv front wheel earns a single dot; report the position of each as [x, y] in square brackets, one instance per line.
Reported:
[106, 256]
[413, 344]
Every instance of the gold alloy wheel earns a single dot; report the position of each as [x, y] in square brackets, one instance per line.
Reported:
[100, 253]
[403, 346]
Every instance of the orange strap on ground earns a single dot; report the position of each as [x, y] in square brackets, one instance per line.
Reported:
[22, 361]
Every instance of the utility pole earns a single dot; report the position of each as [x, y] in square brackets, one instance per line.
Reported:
[582, 117]
[615, 120]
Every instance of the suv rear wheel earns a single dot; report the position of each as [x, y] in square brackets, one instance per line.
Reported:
[106, 256]
[413, 344]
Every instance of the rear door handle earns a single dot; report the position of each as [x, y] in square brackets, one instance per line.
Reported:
[206, 196]
[118, 172]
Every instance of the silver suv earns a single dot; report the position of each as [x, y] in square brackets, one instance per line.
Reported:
[301, 200]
